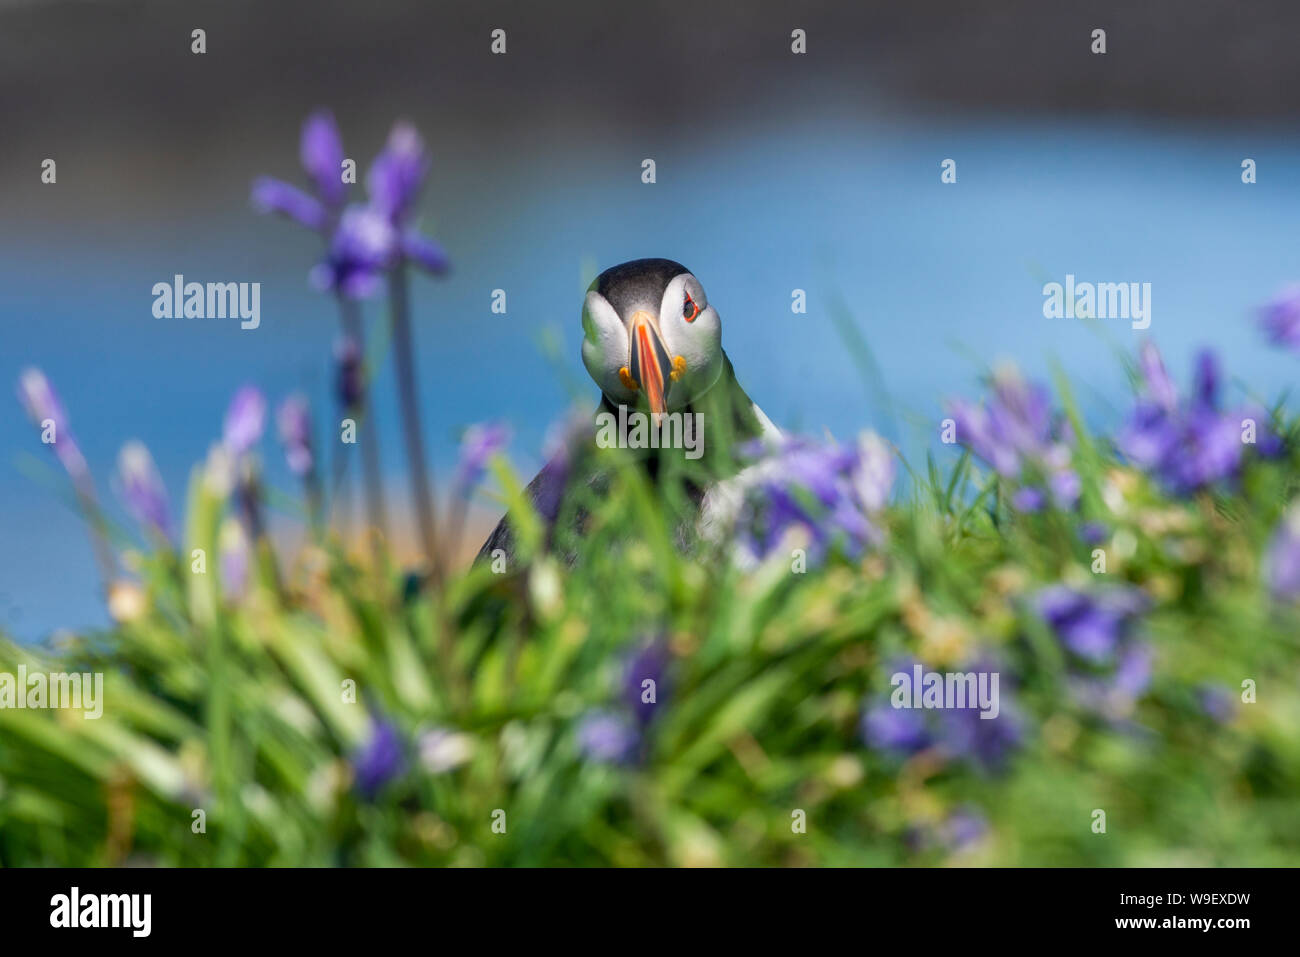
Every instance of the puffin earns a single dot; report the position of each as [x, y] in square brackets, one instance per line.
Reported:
[652, 343]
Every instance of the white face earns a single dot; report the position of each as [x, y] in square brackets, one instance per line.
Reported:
[679, 345]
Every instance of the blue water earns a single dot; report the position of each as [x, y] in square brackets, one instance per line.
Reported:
[941, 279]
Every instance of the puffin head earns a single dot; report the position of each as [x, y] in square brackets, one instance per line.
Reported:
[649, 332]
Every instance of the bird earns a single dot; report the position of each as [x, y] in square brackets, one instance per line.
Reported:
[652, 343]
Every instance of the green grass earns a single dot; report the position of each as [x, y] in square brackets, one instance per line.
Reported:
[239, 709]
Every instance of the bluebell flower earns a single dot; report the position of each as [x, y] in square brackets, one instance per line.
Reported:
[832, 492]
[361, 248]
[1282, 561]
[648, 662]
[394, 183]
[426, 253]
[321, 153]
[1188, 443]
[561, 439]
[381, 760]
[1016, 433]
[1113, 692]
[955, 733]
[1215, 703]
[1108, 668]
[1028, 499]
[43, 406]
[606, 737]
[245, 420]
[141, 487]
[479, 444]
[397, 174]
[901, 732]
[1093, 533]
[988, 743]
[1280, 318]
[963, 827]
[1091, 626]
[293, 420]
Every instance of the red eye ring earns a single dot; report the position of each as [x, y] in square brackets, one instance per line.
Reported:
[690, 309]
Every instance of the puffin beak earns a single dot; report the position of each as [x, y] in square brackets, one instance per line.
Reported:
[651, 365]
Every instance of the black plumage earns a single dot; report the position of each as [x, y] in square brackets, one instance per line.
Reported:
[578, 471]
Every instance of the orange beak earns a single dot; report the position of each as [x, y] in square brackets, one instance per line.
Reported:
[651, 365]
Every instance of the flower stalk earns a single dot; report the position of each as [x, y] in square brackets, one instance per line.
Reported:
[422, 497]
[372, 473]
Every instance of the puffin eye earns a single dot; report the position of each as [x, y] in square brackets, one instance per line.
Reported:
[690, 309]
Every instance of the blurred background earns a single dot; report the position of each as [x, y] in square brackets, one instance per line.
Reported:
[774, 172]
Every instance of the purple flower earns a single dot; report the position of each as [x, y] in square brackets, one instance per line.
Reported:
[1016, 433]
[142, 487]
[1092, 533]
[963, 827]
[1109, 668]
[966, 825]
[349, 373]
[380, 760]
[321, 152]
[985, 742]
[394, 183]
[426, 253]
[1133, 673]
[1159, 388]
[1215, 703]
[964, 733]
[648, 663]
[479, 445]
[294, 421]
[245, 420]
[1282, 561]
[1028, 499]
[561, 439]
[1188, 444]
[1280, 318]
[46, 412]
[1268, 444]
[398, 173]
[1091, 626]
[275, 196]
[1150, 436]
[607, 738]
[40, 400]
[362, 247]
[1210, 450]
[829, 491]
[901, 731]
[1112, 694]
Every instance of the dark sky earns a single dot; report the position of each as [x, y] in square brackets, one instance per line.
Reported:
[112, 85]
[643, 62]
